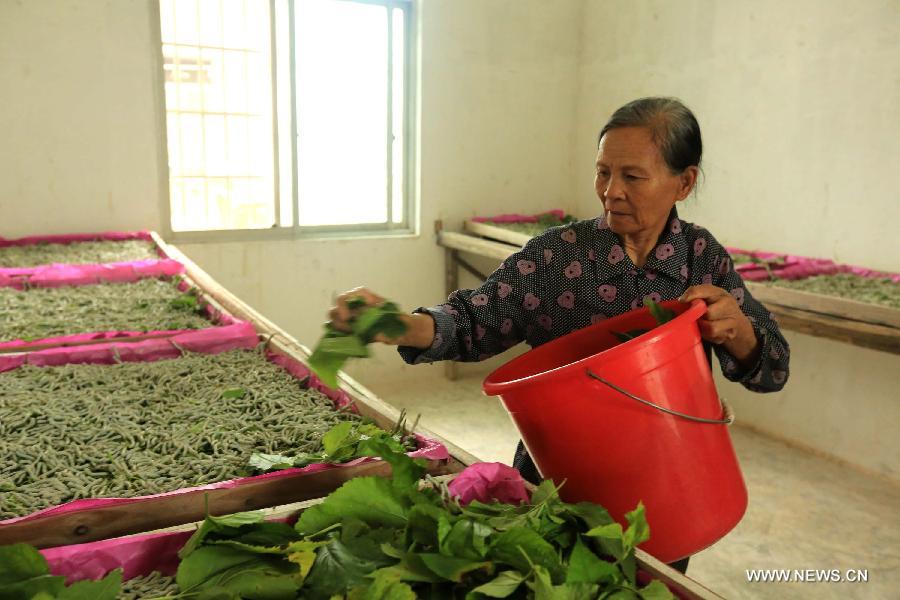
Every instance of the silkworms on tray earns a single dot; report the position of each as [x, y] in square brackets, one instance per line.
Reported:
[145, 305]
[153, 585]
[132, 429]
[32, 255]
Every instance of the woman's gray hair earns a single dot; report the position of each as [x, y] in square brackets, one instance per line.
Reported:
[674, 129]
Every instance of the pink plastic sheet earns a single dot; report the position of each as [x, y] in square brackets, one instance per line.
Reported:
[487, 482]
[212, 341]
[789, 266]
[517, 218]
[136, 555]
[60, 275]
[68, 238]
[217, 319]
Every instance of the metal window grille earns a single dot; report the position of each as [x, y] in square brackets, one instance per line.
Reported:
[288, 114]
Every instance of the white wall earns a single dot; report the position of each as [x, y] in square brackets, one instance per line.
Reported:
[78, 130]
[797, 102]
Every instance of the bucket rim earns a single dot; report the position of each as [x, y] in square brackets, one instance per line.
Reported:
[497, 388]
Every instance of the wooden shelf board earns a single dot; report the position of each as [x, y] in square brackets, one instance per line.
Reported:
[494, 232]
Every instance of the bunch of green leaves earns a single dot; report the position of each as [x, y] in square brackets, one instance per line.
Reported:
[767, 264]
[395, 539]
[660, 315]
[342, 443]
[25, 575]
[550, 219]
[336, 347]
[544, 222]
[190, 301]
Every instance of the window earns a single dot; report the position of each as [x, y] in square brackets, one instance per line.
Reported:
[288, 115]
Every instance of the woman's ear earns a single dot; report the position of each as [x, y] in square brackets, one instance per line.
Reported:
[687, 181]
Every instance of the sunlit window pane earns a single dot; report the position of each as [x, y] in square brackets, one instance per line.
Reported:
[213, 98]
[398, 101]
[216, 163]
[347, 90]
[214, 88]
[211, 22]
[184, 20]
[235, 19]
[342, 112]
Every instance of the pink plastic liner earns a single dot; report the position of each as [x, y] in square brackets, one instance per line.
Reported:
[136, 555]
[68, 238]
[60, 275]
[517, 218]
[211, 341]
[216, 317]
[799, 267]
[487, 482]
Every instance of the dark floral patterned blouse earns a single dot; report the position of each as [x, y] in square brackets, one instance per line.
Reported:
[574, 275]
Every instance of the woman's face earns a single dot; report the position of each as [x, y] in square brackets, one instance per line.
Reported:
[634, 183]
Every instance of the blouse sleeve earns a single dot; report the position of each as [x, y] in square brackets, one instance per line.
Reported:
[476, 324]
[770, 372]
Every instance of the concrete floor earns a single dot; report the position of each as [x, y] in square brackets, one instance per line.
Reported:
[805, 512]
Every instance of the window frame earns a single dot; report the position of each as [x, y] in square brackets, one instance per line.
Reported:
[409, 225]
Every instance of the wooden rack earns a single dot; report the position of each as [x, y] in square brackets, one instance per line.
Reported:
[848, 321]
[182, 513]
[122, 519]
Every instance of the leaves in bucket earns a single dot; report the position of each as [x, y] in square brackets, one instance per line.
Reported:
[401, 538]
[336, 347]
[660, 314]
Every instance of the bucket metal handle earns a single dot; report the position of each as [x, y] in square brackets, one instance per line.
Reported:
[729, 414]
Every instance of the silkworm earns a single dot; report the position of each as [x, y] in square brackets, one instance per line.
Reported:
[153, 585]
[144, 305]
[134, 429]
[871, 290]
[33, 255]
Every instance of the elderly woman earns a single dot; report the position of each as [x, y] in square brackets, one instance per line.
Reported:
[571, 276]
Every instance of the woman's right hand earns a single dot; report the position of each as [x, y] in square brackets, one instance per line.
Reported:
[419, 326]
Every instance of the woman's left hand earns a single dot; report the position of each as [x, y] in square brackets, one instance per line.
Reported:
[724, 323]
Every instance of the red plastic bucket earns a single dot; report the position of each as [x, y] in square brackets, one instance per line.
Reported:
[581, 403]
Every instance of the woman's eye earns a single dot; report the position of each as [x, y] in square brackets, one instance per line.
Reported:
[632, 177]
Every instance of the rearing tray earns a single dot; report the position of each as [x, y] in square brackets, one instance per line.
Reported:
[59, 274]
[216, 316]
[99, 518]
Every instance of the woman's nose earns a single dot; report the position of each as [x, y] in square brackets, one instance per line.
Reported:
[610, 188]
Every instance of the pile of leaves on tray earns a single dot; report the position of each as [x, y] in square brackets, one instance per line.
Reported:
[342, 443]
[543, 223]
[336, 347]
[33, 255]
[378, 538]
